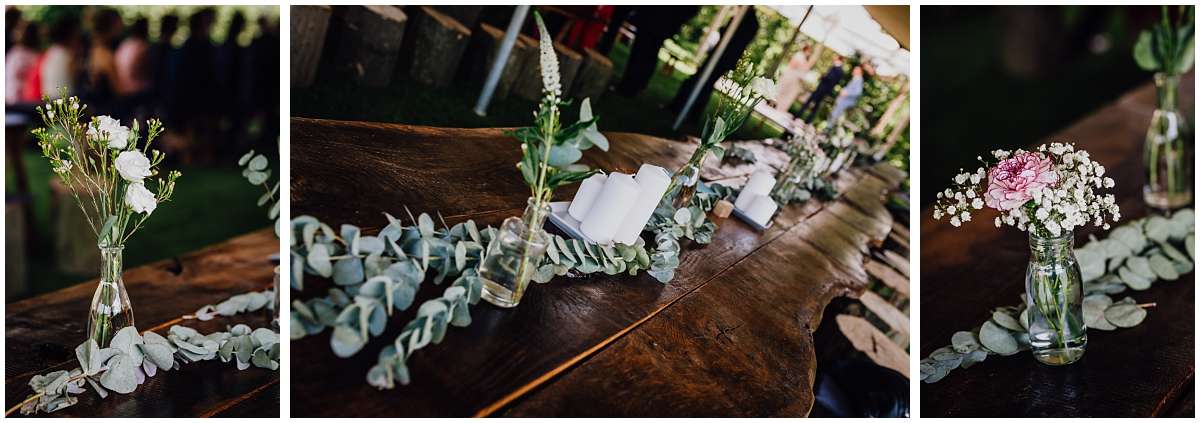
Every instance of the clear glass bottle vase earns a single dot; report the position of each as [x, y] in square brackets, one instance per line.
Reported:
[685, 181]
[1054, 297]
[111, 310]
[1168, 150]
[513, 256]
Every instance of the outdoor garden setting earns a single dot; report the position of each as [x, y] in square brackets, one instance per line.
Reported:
[528, 210]
[159, 122]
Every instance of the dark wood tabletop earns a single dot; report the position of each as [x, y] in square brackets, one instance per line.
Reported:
[731, 335]
[41, 334]
[1144, 371]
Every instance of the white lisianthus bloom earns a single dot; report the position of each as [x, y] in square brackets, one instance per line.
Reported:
[140, 199]
[118, 136]
[133, 166]
[763, 87]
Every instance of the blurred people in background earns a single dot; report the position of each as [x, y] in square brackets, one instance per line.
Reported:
[741, 38]
[207, 94]
[654, 25]
[20, 63]
[829, 81]
[133, 61]
[849, 94]
[58, 66]
[791, 82]
[100, 91]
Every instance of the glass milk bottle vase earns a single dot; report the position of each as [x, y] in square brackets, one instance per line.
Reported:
[1054, 296]
[685, 181]
[513, 256]
[1168, 147]
[111, 310]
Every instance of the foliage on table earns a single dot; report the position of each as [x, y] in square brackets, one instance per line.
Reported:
[104, 168]
[738, 154]
[237, 304]
[256, 168]
[1168, 47]
[809, 168]
[1133, 256]
[131, 358]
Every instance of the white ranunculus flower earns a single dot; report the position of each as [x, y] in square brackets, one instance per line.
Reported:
[763, 87]
[133, 166]
[140, 199]
[118, 135]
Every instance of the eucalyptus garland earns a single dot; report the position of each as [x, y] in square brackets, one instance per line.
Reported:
[237, 304]
[256, 170]
[1133, 256]
[739, 154]
[132, 358]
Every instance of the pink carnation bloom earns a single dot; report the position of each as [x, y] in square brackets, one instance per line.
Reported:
[1012, 182]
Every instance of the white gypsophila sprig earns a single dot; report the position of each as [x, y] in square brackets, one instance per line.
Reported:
[1052, 209]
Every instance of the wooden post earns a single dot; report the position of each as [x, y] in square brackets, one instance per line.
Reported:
[485, 45]
[74, 242]
[467, 15]
[593, 75]
[370, 43]
[529, 85]
[309, 24]
[439, 46]
[15, 285]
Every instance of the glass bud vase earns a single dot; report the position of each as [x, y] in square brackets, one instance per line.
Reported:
[1168, 144]
[1054, 296]
[513, 256]
[685, 181]
[111, 310]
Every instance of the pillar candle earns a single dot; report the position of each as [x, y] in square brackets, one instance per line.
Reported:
[762, 207]
[653, 181]
[586, 195]
[760, 183]
[610, 208]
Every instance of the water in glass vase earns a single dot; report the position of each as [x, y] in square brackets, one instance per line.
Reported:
[1167, 147]
[513, 257]
[111, 310]
[1054, 291]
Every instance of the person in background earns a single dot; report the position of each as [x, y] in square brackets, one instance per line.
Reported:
[59, 64]
[162, 59]
[828, 82]
[102, 64]
[792, 80]
[12, 16]
[20, 64]
[849, 94]
[264, 82]
[654, 25]
[133, 61]
[229, 74]
[741, 38]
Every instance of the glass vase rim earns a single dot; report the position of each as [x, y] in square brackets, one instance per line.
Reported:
[1063, 237]
[111, 247]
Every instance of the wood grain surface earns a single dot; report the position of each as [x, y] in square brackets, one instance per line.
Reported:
[41, 334]
[966, 272]
[731, 335]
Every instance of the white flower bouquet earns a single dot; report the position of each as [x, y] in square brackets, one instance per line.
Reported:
[102, 165]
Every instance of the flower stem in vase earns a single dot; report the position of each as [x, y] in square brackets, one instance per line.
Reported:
[111, 309]
[1057, 334]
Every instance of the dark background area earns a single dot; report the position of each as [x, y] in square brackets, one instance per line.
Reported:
[1006, 77]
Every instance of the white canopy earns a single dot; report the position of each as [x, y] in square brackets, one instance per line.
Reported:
[847, 29]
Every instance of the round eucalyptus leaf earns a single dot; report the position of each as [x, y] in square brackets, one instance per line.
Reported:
[1163, 267]
[1006, 321]
[972, 358]
[1125, 315]
[964, 342]
[997, 339]
[345, 341]
[1135, 281]
[1141, 266]
[1093, 312]
[1158, 228]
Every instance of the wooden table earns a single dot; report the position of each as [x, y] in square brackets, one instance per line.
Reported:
[1143, 371]
[731, 335]
[41, 334]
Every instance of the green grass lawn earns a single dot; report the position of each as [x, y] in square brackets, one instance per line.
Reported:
[210, 205]
[413, 103]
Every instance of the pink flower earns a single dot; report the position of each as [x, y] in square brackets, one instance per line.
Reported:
[1012, 182]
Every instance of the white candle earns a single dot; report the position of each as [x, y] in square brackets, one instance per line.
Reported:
[610, 208]
[762, 207]
[653, 181]
[760, 183]
[586, 195]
